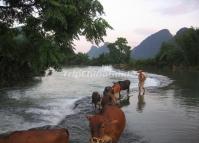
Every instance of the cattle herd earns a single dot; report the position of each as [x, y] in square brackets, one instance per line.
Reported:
[111, 94]
[106, 126]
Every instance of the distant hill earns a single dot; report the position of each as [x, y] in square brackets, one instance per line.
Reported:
[95, 52]
[181, 31]
[178, 33]
[151, 45]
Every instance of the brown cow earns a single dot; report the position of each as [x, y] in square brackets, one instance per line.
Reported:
[108, 97]
[124, 85]
[106, 127]
[107, 90]
[37, 136]
[116, 90]
[106, 100]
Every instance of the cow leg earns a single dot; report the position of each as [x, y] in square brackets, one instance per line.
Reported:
[93, 105]
[98, 105]
[128, 90]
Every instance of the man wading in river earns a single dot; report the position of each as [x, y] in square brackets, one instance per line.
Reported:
[142, 79]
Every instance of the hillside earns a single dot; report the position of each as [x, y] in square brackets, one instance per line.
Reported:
[95, 52]
[149, 47]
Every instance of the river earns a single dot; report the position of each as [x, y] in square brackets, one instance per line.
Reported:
[168, 112]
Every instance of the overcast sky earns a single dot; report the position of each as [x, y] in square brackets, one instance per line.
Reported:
[137, 19]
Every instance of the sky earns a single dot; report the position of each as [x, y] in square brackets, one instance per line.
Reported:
[137, 19]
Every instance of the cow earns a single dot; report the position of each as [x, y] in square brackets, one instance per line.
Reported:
[37, 136]
[106, 100]
[108, 97]
[124, 85]
[96, 99]
[107, 90]
[107, 126]
[116, 88]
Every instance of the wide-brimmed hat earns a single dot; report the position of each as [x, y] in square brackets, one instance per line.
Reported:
[139, 71]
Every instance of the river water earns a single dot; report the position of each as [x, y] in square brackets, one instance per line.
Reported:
[168, 112]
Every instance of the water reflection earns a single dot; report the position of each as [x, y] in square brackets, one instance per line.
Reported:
[186, 88]
[141, 103]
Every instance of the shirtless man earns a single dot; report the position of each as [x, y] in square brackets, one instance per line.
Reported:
[142, 79]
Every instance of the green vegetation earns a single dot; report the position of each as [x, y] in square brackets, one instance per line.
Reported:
[184, 51]
[119, 53]
[78, 59]
[47, 30]
[180, 52]
[169, 55]
[46, 36]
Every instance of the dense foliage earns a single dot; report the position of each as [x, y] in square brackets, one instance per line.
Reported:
[183, 51]
[169, 55]
[119, 53]
[78, 59]
[189, 43]
[45, 37]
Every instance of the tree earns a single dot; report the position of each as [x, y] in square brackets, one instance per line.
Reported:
[103, 59]
[184, 50]
[170, 55]
[79, 59]
[119, 51]
[189, 43]
[65, 20]
[48, 29]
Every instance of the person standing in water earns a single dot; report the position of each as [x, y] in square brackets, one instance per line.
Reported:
[142, 78]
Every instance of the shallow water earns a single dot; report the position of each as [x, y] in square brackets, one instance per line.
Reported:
[166, 114]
